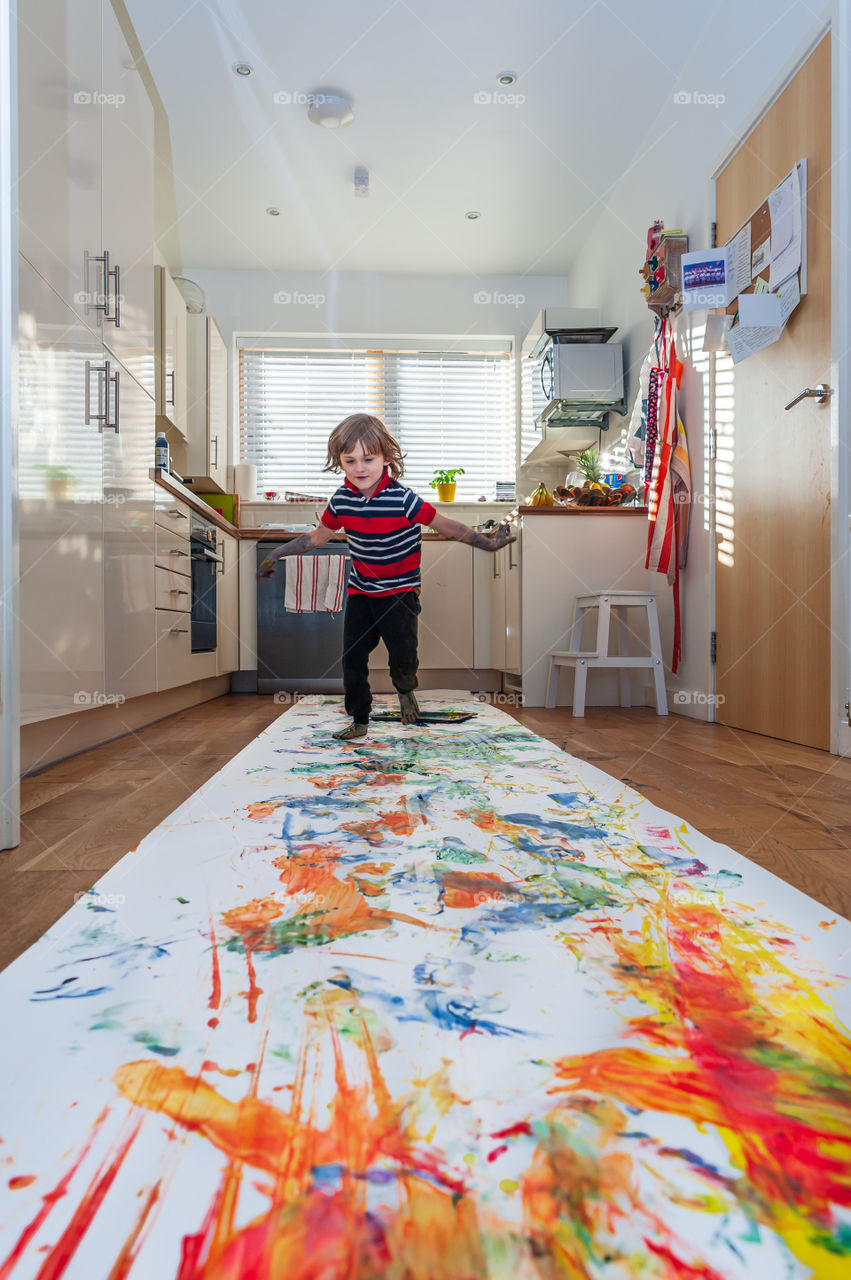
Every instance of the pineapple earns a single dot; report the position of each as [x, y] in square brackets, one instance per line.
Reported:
[589, 464]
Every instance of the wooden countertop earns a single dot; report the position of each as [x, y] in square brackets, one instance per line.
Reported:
[583, 511]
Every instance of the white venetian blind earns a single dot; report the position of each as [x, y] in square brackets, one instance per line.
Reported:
[446, 409]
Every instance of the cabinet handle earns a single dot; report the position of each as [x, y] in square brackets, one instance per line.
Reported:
[170, 374]
[115, 378]
[177, 591]
[115, 275]
[214, 462]
[178, 631]
[511, 563]
[176, 514]
[174, 551]
[96, 417]
[495, 554]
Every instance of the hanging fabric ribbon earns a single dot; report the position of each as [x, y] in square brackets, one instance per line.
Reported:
[669, 496]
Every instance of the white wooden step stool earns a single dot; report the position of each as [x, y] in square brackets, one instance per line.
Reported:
[605, 602]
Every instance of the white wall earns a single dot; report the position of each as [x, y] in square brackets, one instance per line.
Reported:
[670, 179]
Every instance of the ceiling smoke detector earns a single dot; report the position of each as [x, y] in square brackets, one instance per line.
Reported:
[331, 110]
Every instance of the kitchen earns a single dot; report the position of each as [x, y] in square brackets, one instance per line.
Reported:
[233, 226]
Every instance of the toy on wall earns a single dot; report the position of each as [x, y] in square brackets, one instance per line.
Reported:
[662, 272]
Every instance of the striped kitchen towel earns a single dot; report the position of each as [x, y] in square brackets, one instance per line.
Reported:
[315, 584]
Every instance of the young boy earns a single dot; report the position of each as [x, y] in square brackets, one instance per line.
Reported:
[382, 521]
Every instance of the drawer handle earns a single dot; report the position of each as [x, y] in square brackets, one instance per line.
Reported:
[175, 552]
[178, 631]
[177, 591]
[178, 515]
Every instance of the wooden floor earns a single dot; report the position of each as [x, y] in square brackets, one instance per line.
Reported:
[787, 808]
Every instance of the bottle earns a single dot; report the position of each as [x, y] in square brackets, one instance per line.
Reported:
[161, 458]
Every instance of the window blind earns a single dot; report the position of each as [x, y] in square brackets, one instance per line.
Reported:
[446, 409]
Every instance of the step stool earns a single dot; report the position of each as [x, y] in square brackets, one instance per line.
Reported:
[606, 602]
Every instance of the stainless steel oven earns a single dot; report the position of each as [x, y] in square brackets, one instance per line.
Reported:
[205, 559]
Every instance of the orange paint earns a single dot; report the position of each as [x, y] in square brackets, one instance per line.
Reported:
[471, 888]
[22, 1180]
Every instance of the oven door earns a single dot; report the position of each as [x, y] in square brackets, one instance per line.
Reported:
[204, 617]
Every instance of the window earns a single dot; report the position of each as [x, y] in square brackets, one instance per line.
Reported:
[446, 409]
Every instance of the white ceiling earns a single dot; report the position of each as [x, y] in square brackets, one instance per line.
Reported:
[593, 75]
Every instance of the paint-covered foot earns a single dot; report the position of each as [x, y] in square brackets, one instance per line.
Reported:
[410, 708]
[351, 731]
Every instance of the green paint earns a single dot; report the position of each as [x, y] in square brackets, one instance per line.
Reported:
[184, 901]
[150, 1041]
[453, 853]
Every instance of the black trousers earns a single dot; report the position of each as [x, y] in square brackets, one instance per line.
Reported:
[369, 619]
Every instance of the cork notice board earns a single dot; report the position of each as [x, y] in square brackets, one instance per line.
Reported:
[761, 241]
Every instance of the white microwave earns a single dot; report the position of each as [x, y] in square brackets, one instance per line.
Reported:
[585, 374]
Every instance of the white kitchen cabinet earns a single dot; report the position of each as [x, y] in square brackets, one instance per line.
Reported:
[173, 648]
[127, 203]
[60, 484]
[59, 139]
[227, 603]
[171, 355]
[172, 550]
[86, 173]
[207, 409]
[446, 620]
[497, 610]
[86, 513]
[505, 606]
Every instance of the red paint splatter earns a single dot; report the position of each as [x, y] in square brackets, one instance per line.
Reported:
[22, 1180]
[216, 992]
[515, 1131]
[496, 1153]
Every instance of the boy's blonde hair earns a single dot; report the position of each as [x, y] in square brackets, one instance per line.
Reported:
[372, 434]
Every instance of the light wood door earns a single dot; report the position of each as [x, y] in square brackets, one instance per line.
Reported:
[773, 479]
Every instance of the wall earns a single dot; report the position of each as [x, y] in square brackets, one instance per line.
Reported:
[669, 179]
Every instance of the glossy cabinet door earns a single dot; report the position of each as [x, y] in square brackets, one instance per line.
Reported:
[59, 162]
[499, 569]
[446, 620]
[127, 193]
[227, 650]
[217, 404]
[128, 540]
[207, 414]
[511, 562]
[173, 359]
[60, 479]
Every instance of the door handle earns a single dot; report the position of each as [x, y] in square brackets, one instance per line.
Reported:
[821, 394]
[115, 274]
[170, 374]
[100, 418]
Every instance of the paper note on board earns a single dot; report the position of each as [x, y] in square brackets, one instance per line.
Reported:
[715, 333]
[740, 255]
[761, 257]
[761, 308]
[784, 206]
[746, 340]
[708, 278]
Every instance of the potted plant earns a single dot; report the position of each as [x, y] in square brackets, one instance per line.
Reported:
[444, 483]
[59, 481]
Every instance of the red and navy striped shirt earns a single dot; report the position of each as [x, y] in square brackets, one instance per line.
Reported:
[383, 533]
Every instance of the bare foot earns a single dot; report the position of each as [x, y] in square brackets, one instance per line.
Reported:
[351, 731]
[410, 708]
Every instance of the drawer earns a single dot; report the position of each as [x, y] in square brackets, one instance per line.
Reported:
[174, 653]
[172, 515]
[171, 590]
[172, 550]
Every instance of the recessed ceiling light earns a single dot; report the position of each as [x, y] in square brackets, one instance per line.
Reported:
[273, 212]
[472, 215]
[331, 110]
[242, 69]
[507, 77]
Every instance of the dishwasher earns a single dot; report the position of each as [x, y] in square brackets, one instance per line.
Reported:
[297, 652]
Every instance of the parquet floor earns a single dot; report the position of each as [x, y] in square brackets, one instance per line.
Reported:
[786, 807]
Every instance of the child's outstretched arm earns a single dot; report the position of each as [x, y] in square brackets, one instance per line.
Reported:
[297, 547]
[459, 532]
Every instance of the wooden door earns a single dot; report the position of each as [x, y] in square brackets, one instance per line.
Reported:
[773, 476]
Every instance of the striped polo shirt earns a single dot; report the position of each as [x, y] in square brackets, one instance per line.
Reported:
[383, 533]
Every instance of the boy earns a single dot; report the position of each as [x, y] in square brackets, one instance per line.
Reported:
[382, 520]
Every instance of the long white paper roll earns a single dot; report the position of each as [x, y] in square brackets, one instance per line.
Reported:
[245, 481]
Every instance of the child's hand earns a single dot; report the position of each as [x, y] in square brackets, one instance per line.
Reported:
[267, 568]
[500, 537]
